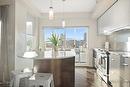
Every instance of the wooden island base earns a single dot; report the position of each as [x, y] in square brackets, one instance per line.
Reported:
[63, 70]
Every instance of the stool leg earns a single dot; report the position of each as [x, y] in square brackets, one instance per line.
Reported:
[46, 84]
[52, 81]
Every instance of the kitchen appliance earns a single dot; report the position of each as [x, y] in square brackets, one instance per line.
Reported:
[102, 63]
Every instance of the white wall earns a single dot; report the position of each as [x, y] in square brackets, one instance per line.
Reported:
[22, 11]
[78, 19]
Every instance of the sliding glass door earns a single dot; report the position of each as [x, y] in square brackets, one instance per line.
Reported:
[74, 39]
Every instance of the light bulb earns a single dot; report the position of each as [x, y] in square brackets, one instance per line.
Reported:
[51, 14]
[63, 23]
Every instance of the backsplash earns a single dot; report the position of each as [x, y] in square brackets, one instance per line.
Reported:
[119, 40]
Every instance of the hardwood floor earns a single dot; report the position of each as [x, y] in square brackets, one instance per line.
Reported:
[85, 77]
[88, 78]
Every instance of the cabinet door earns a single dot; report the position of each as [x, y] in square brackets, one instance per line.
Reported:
[114, 68]
[124, 83]
[125, 69]
[115, 18]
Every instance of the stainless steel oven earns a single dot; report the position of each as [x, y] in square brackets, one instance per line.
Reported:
[102, 64]
[103, 69]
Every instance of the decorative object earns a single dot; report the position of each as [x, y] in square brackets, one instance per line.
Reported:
[51, 12]
[30, 54]
[55, 40]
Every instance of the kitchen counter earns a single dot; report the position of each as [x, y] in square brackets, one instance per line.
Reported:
[124, 54]
[119, 51]
[61, 66]
[56, 55]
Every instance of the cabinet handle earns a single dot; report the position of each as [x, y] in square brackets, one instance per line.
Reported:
[125, 64]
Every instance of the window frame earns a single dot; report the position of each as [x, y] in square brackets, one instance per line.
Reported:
[31, 35]
[59, 27]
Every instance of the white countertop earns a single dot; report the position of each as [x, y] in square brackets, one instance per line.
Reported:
[58, 55]
[124, 54]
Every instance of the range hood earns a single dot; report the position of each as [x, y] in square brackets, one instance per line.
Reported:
[112, 30]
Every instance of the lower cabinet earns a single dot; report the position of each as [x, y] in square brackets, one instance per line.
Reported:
[125, 71]
[114, 70]
[119, 70]
[124, 83]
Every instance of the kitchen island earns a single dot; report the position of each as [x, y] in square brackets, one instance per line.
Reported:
[62, 68]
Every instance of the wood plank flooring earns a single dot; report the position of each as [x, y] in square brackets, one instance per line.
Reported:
[85, 77]
[88, 78]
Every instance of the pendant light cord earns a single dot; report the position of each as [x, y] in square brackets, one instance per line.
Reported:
[51, 5]
[63, 19]
[51, 13]
[63, 8]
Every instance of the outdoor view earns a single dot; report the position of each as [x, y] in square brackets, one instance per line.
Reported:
[72, 39]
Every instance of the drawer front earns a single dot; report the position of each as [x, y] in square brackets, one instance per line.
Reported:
[114, 67]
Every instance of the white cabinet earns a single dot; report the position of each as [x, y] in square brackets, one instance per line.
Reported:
[116, 18]
[114, 70]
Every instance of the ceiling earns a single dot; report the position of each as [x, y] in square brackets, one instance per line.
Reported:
[69, 5]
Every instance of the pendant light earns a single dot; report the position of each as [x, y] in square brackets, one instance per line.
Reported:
[51, 12]
[63, 21]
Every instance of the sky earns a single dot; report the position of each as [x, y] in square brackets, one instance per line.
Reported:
[76, 33]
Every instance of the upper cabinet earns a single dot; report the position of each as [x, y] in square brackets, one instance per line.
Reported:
[115, 18]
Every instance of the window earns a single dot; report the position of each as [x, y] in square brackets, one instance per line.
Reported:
[72, 38]
[29, 35]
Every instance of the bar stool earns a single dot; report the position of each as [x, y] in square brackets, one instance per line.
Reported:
[41, 80]
[16, 76]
